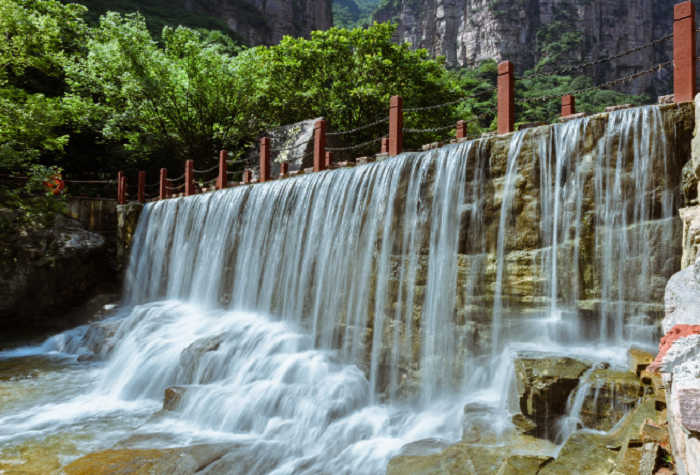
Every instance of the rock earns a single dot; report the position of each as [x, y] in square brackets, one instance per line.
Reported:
[611, 395]
[37, 289]
[682, 300]
[177, 461]
[523, 424]
[571, 117]
[651, 432]
[127, 219]
[638, 360]
[583, 454]
[685, 349]
[687, 408]
[668, 99]
[650, 459]
[618, 107]
[424, 447]
[544, 385]
[172, 398]
[523, 464]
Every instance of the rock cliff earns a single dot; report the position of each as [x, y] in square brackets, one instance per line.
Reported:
[266, 22]
[529, 32]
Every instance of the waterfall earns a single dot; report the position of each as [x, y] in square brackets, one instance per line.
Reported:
[325, 321]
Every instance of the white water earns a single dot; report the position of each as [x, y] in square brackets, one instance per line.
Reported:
[286, 309]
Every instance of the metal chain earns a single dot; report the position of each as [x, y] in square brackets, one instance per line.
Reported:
[206, 171]
[599, 61]
[446, 104]
[178, 178]
[175, 188]
[357, 129]
[452, 126]
[602, 86]
[153, 195]
[290, 148]
[356, 146]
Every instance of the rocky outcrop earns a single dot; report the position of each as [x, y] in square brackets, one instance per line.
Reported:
[127, 220]
[261, 22]
[610, 395]
[53, 268]
[526, 32]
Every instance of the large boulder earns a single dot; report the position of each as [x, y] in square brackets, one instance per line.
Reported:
[53, 268]
[609, 396]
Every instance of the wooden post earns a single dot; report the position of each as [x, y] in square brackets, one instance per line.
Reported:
[568, 105]
[461, 129]
[222, 181]
[189, 178]
[684, 52]
[506, 98]
[163, 190]
[284, 170]
[247, 176]
[120, 175]
[122, 191]
[329, 160]
[320, 146]
[395, 126]
[264, 159]
[385, 145]
[142, 187]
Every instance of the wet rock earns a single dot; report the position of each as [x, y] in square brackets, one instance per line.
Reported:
[610, 395]
[172, 398]
[424, 447]
[650, 459]
[523, 464]
[176, 461]
[583, 454]
[651, 432]
[127, 219]
[53, 268]
[523, 424]
[544, 385]
[638, 360]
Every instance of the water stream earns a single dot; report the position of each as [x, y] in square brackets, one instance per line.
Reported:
[320, 324]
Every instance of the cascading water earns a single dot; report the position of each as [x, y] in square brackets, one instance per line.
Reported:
[321, 323]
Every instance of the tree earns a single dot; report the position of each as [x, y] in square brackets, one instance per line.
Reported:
[349, 76]
[188, 96]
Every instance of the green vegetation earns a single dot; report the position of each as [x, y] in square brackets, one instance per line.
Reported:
[90, 98]
[353, 13]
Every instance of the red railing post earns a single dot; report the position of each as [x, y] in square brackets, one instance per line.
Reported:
[385, 145]
[329, 160]
[461, 129]
[122, 191]
[171, 186]
[264, 159]
[142, 187]
[163, 190]
[684, 52]
[506, 98]
[222, 181]
[284, 169]
[320, 146]
[247, 176]
[120, 175]
[189, 178]
[395, 126]
[568, 105]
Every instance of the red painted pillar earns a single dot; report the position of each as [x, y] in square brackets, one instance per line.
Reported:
[506, 98]
[395, 126]
[171, 191]
[385, 145]
[264, 159]
[163, 190]
[568, 105]
[284, 169]
[120, 175]
[122, 191]
[684, 52]
[142, 187]
[320, 146]
[461, 129]
[222, 181]
[329, 159]
[189, 178]
[247, 176]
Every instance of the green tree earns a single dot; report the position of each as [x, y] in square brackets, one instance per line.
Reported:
[189, 97]
[349, 76]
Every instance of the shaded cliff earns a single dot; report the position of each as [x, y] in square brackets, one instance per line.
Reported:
[266, 22]
[544, 32]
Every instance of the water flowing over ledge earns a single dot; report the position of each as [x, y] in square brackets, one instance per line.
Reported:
[321, 323]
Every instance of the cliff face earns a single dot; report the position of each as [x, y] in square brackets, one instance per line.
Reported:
[266, 22]
[526, 32]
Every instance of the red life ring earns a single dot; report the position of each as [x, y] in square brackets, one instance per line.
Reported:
[55, 183]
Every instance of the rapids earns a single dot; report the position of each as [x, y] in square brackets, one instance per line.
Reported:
[322, 323]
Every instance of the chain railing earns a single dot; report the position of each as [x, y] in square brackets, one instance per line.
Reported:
[452, 103]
